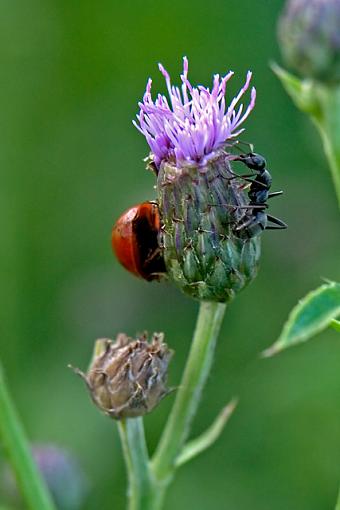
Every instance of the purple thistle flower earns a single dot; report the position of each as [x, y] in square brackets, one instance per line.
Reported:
[196, 124]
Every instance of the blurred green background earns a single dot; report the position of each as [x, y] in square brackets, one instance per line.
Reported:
[71, 162]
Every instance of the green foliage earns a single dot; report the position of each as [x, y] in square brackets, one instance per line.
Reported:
[335, 325]
[338, 502]
[71, 163]
[208, 438]
[302, 92]
[13, 439]
[322, 103]
[314, 313]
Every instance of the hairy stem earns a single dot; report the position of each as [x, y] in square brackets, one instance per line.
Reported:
[188, 396]
[13, 438]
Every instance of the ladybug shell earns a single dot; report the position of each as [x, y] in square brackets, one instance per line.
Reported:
[135, 241]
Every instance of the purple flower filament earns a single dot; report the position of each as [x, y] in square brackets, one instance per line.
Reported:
[197, 122]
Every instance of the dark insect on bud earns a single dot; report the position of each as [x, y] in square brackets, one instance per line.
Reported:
[127, 378]
[256, 219]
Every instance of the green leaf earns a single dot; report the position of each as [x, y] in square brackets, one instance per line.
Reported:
[335, 325]
[205, 440]
[311, 315]
[303, 92]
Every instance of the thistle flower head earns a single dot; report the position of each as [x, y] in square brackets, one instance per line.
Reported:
[201, 200]
[195, 122]
[309, 35]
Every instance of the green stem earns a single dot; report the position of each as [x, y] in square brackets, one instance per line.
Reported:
[333, 155]
[338, 502]
[188, 396]
[137, 463]
[12, 435]
[148, 482]
[329, 128]
[322, 103]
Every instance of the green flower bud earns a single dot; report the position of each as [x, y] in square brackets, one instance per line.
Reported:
[309, 35]
[200, 207]
[127, 378]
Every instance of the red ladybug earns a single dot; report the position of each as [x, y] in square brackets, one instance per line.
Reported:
[135, 241]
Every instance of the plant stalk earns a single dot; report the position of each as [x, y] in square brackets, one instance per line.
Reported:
[189, 393]
[148, 481]
[13, 437]
[329, 127]
[332, 152]
[338, 502]
[141, 490]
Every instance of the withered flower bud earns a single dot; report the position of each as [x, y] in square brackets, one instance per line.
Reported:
[127, 378]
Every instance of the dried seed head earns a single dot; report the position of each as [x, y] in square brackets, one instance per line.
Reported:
[309, 35]
[127, 378]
